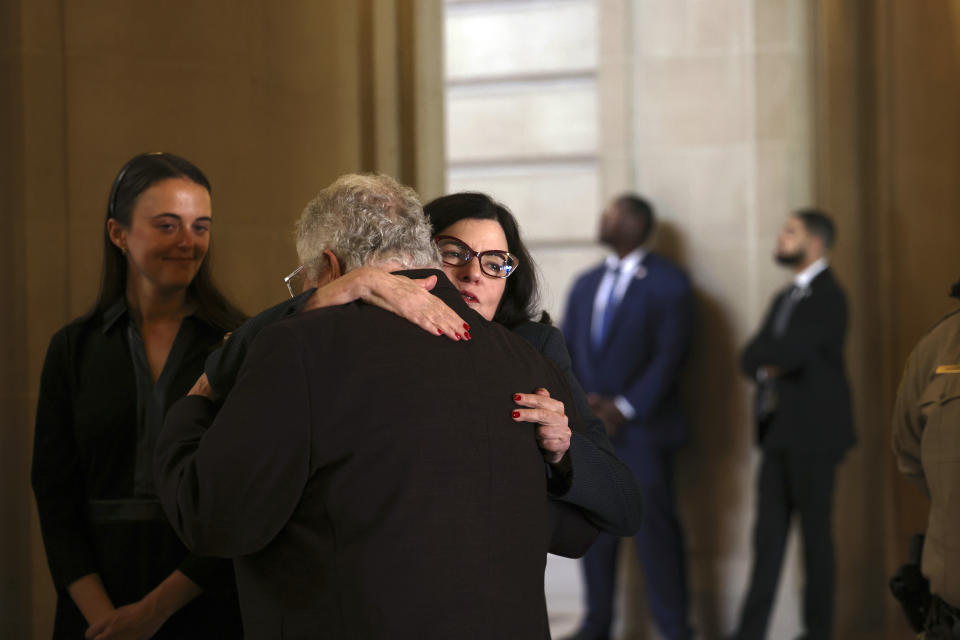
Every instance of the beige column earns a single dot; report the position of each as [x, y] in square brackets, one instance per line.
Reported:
[14, 510]
[615, 96]
[34, 294]
[402, 91]
[721, 120]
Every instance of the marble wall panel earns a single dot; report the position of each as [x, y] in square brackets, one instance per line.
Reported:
[783, 178]
[777, 93]
[662, 176]
[560, 266]
[685, 101]
[718, 25]
[719, 186]
[520, 38]
[529, 120]
[772, 22]
[660, 28]
[552, 203]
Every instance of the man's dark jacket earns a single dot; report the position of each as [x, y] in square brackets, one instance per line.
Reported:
[641, 356]
[368, 481]
[813, 412]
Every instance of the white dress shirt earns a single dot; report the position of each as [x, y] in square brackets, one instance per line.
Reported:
[803, 279]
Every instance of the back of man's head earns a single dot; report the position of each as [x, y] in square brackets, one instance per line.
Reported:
[365, 219]
[817, 223]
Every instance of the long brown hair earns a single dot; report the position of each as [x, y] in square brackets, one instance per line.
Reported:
[138, 175]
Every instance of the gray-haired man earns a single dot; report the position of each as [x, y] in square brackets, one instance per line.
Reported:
[365, 476]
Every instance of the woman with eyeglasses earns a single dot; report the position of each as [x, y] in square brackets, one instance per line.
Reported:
[484, 257]
[118, 567]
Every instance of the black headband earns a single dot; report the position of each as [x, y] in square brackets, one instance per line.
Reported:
[112, 202]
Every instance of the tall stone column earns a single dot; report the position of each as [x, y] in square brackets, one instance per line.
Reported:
[722, 143]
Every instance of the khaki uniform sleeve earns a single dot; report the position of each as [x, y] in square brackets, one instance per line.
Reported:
[908, 422]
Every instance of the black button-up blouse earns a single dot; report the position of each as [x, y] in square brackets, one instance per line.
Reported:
[98, 416]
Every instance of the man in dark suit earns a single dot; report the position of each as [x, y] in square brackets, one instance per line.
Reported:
[628, 325]
[804, 424]
[365, 476]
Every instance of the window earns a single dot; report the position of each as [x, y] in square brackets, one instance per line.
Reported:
[522, 122]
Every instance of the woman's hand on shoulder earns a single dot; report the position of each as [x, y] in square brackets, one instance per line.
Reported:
[553, 430]
[408, 298]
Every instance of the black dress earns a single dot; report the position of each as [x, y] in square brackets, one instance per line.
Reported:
[97, 419]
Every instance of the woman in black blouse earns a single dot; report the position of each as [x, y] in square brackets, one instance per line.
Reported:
[119, 569]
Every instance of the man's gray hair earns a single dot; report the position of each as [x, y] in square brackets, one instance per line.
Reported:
[365, 219]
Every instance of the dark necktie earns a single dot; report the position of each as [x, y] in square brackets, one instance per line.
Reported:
[609, 307]
[767, 389]
[785, 309]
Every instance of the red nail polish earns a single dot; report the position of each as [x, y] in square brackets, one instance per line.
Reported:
[516, 414]
[458, 336]
[439, 332]
[516, 397]
[468, 336]
[466, 326]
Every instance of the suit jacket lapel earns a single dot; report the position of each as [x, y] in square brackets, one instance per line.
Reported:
[822, 279]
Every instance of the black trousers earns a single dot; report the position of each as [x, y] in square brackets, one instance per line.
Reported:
[791, 483]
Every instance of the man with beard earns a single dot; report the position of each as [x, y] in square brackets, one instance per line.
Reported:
[628, 325]
[804, 424]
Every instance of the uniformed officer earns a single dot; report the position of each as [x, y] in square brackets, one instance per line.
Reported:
[926, 440]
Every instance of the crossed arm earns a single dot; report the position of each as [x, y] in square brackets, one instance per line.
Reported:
[781, 356]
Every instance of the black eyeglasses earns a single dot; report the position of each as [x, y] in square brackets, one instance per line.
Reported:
[457, 253]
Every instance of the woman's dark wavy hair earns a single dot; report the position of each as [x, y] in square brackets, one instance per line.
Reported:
[521, 298]
[138, 175]
[955, 290]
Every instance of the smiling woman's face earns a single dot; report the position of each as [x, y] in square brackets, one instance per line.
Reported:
[480, 291]
[168, 236]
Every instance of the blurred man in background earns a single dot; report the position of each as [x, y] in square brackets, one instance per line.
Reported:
[628, 326]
